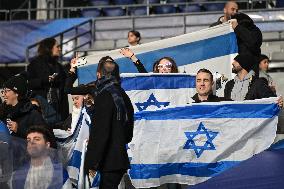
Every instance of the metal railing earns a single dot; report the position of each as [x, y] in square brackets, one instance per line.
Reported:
[65, 12]
[75, 39]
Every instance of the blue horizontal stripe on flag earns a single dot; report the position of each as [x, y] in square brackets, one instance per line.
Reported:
[75, 160]
[183, 54]
[158, 82]
[147, 171]
[211, 111]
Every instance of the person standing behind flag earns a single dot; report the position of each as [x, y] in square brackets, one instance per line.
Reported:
[204, 87]
[163, 65]
[246, 85]
[112, 129]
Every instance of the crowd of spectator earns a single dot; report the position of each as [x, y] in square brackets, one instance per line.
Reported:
[35, 102]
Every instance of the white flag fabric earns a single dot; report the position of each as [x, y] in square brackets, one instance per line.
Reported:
[73, 146]
[212, 48]
[193, 143]
[156, 91]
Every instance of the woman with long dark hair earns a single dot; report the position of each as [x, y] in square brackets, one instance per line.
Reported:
[47, 80]
[163, 65]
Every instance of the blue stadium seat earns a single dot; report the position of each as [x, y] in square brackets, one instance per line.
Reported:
[150, 1]
[91, 12]
[114, 11]
[190, 8]
[124, 2]
[214, 6]
[279, 3]
[165, 9]
[176, 1]
[138, 11]
[99, 2]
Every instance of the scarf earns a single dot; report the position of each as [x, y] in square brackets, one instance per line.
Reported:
[111, 85]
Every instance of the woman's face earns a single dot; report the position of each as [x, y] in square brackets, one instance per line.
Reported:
[56, 49]
[78, 100]
[164, 66]
[263, 65]
[132, 39]
[10, 97]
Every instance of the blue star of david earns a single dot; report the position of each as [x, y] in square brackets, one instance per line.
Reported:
[208, 145]
[152, 101]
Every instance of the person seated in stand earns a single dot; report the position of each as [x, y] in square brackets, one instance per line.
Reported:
[263, 69]
[163, 65]
[42, 169]
[133, 38]
[204, 87]
[247, 85]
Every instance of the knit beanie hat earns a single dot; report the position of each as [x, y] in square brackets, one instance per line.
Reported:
[243, 19]
[18, 84]
[247, 61]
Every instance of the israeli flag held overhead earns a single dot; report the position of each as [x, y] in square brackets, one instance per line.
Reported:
[211, 48]
[193, 143]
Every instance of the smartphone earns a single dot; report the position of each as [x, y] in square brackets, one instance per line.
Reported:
[54, 74]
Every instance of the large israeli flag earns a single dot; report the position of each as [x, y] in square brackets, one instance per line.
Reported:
[211, 48]
[193, 143]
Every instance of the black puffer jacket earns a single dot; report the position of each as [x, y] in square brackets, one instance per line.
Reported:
[24, 114]
[258, 89]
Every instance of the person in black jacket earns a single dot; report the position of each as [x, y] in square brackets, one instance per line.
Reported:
[204, 87]
[246, 85]
[163, 65]
[112, 129]
[17, 110]
[249, 36]
[230, 8]
[47, 80]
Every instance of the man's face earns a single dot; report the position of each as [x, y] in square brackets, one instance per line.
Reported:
[263, 65]
[236, 67]
[37, 145]
[204, 84]
[230, 9]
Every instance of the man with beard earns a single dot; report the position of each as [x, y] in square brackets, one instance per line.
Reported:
[112, 129]
[231, 8]
[246, 85]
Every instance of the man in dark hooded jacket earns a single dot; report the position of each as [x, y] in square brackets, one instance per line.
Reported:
[112, 129]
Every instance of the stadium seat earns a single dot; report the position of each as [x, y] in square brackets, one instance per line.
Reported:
[124, 2]
[176, 1]
[117, 11]
[164, 9]
[189, 8]
[137, 11]
[214, 6]
[279, 3]
[150, 1]
[99, 2]
[91, 12]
